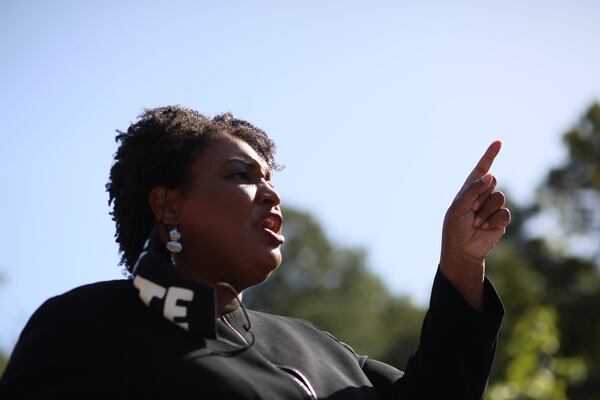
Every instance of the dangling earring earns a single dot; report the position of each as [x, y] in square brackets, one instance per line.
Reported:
[173, 244]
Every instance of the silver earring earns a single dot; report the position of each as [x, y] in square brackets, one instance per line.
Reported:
[173, 245]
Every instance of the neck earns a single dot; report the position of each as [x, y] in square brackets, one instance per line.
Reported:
[226, 300]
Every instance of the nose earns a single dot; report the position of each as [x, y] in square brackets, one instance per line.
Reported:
[267, 193]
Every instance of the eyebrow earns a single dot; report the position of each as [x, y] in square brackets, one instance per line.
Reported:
[251, 163]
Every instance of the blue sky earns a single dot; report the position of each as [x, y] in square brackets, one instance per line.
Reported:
[379, 110]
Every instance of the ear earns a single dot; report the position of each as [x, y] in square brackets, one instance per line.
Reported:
[164, 204]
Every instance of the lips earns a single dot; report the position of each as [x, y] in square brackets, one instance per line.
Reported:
[272, 224]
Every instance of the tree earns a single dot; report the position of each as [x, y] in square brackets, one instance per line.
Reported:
[558, 272]
[3, 362]
[574, 188]
[573, 191]
[534, 370]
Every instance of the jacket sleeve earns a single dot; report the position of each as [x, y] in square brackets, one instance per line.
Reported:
[455, 353]
[56, 354]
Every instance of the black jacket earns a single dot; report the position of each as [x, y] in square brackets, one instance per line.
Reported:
[101, 339]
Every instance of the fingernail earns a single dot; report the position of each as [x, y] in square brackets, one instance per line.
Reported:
[476, 206]
[485, 226]
[477, 222]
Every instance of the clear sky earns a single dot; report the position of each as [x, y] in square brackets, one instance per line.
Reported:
[379, 109]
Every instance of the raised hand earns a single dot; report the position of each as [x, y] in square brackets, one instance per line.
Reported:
[474, 223]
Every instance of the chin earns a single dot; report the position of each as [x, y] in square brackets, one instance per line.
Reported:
[264, 267]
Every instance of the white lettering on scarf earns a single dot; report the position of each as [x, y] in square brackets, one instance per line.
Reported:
[171, 310]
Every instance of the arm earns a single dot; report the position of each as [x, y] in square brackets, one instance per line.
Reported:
[458, 336]
[455, 352]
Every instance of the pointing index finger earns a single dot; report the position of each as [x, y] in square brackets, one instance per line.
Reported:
[485, 163]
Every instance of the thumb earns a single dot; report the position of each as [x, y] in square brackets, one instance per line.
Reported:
[469, 193]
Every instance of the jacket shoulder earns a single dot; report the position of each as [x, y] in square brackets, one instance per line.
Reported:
[93, 297]
[100, 289]
[89, 302]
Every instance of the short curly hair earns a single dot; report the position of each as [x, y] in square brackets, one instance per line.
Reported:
[157, 150]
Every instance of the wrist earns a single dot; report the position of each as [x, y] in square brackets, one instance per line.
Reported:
[467, 277]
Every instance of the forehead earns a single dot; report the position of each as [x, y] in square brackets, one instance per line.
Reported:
[225, 148]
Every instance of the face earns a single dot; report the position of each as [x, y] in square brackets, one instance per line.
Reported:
[229, 217]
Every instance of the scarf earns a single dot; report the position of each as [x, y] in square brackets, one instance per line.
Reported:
[191, 306]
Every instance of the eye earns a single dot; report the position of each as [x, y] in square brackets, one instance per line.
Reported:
[241, 175]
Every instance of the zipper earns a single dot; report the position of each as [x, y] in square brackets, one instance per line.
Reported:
[292, 372]
[300, 379]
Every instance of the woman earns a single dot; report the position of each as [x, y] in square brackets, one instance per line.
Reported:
[197, 222]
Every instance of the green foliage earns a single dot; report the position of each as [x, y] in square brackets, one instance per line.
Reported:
[3, 361]
[582, 169]
[554, 285]
[535, 372]
[331, 286]
[574, 188]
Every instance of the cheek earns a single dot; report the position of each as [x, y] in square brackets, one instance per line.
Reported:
[219, 216]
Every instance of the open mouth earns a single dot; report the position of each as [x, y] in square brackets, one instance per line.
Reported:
[272, 225]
